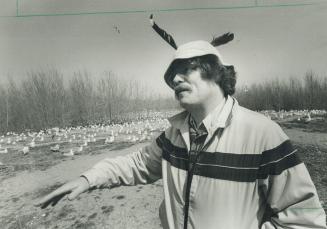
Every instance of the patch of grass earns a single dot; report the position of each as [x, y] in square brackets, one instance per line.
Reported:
[83, 225]
[92, 216]
[120, 197]
[95, 149]
[15, 199]
[14, 221]
[107, 209]
[65, 211]
[41, 157]
[317, 124]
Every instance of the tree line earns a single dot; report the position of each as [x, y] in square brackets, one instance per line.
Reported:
[42, 100]
[306, 93]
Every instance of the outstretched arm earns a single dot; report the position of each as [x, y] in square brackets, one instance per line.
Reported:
[138, 167]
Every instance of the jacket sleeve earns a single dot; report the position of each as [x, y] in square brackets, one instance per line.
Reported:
[291, 197]
[141, 167]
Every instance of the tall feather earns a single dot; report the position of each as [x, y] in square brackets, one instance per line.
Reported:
[223, 39]
[167, 37]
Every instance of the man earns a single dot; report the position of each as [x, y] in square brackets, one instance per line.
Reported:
[222, 165]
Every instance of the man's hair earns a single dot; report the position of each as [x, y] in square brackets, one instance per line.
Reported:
[211, 69]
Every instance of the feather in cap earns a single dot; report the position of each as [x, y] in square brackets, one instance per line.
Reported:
[216, 41]
[223, 39]
[167, 37]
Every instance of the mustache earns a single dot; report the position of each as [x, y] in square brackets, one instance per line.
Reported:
[179, 88]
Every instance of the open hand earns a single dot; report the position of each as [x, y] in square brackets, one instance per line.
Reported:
[72, 188]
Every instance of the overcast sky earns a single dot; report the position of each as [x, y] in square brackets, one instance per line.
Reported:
[272, 38]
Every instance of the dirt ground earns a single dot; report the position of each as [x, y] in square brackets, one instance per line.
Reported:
[122, 207]
[32, 177]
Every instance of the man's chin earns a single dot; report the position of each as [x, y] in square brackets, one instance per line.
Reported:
[184, 100]
[184, 103]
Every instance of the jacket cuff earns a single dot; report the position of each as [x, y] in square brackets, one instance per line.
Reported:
[90, 177]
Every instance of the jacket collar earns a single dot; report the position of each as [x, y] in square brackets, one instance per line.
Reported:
[220, 117]
[180, 122]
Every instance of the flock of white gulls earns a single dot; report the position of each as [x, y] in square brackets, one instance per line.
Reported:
[69, 141]
[304, 116]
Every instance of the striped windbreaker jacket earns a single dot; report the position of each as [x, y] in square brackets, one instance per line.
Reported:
[248, 176]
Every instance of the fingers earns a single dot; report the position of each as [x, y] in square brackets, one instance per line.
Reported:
[82, 185]
[60, 192]
[53, 201]
[75, 193]
[75, 188]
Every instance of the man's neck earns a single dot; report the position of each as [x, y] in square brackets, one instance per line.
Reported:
[201, 111]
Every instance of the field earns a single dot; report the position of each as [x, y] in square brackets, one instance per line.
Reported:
[27, 176]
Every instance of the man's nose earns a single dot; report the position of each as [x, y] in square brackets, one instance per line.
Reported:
[178, 79]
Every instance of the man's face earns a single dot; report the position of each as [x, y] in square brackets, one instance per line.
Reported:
[191, 88]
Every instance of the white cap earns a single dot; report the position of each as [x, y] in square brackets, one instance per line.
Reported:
[190, 50]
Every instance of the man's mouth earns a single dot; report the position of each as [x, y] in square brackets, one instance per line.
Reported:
[181, 88]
